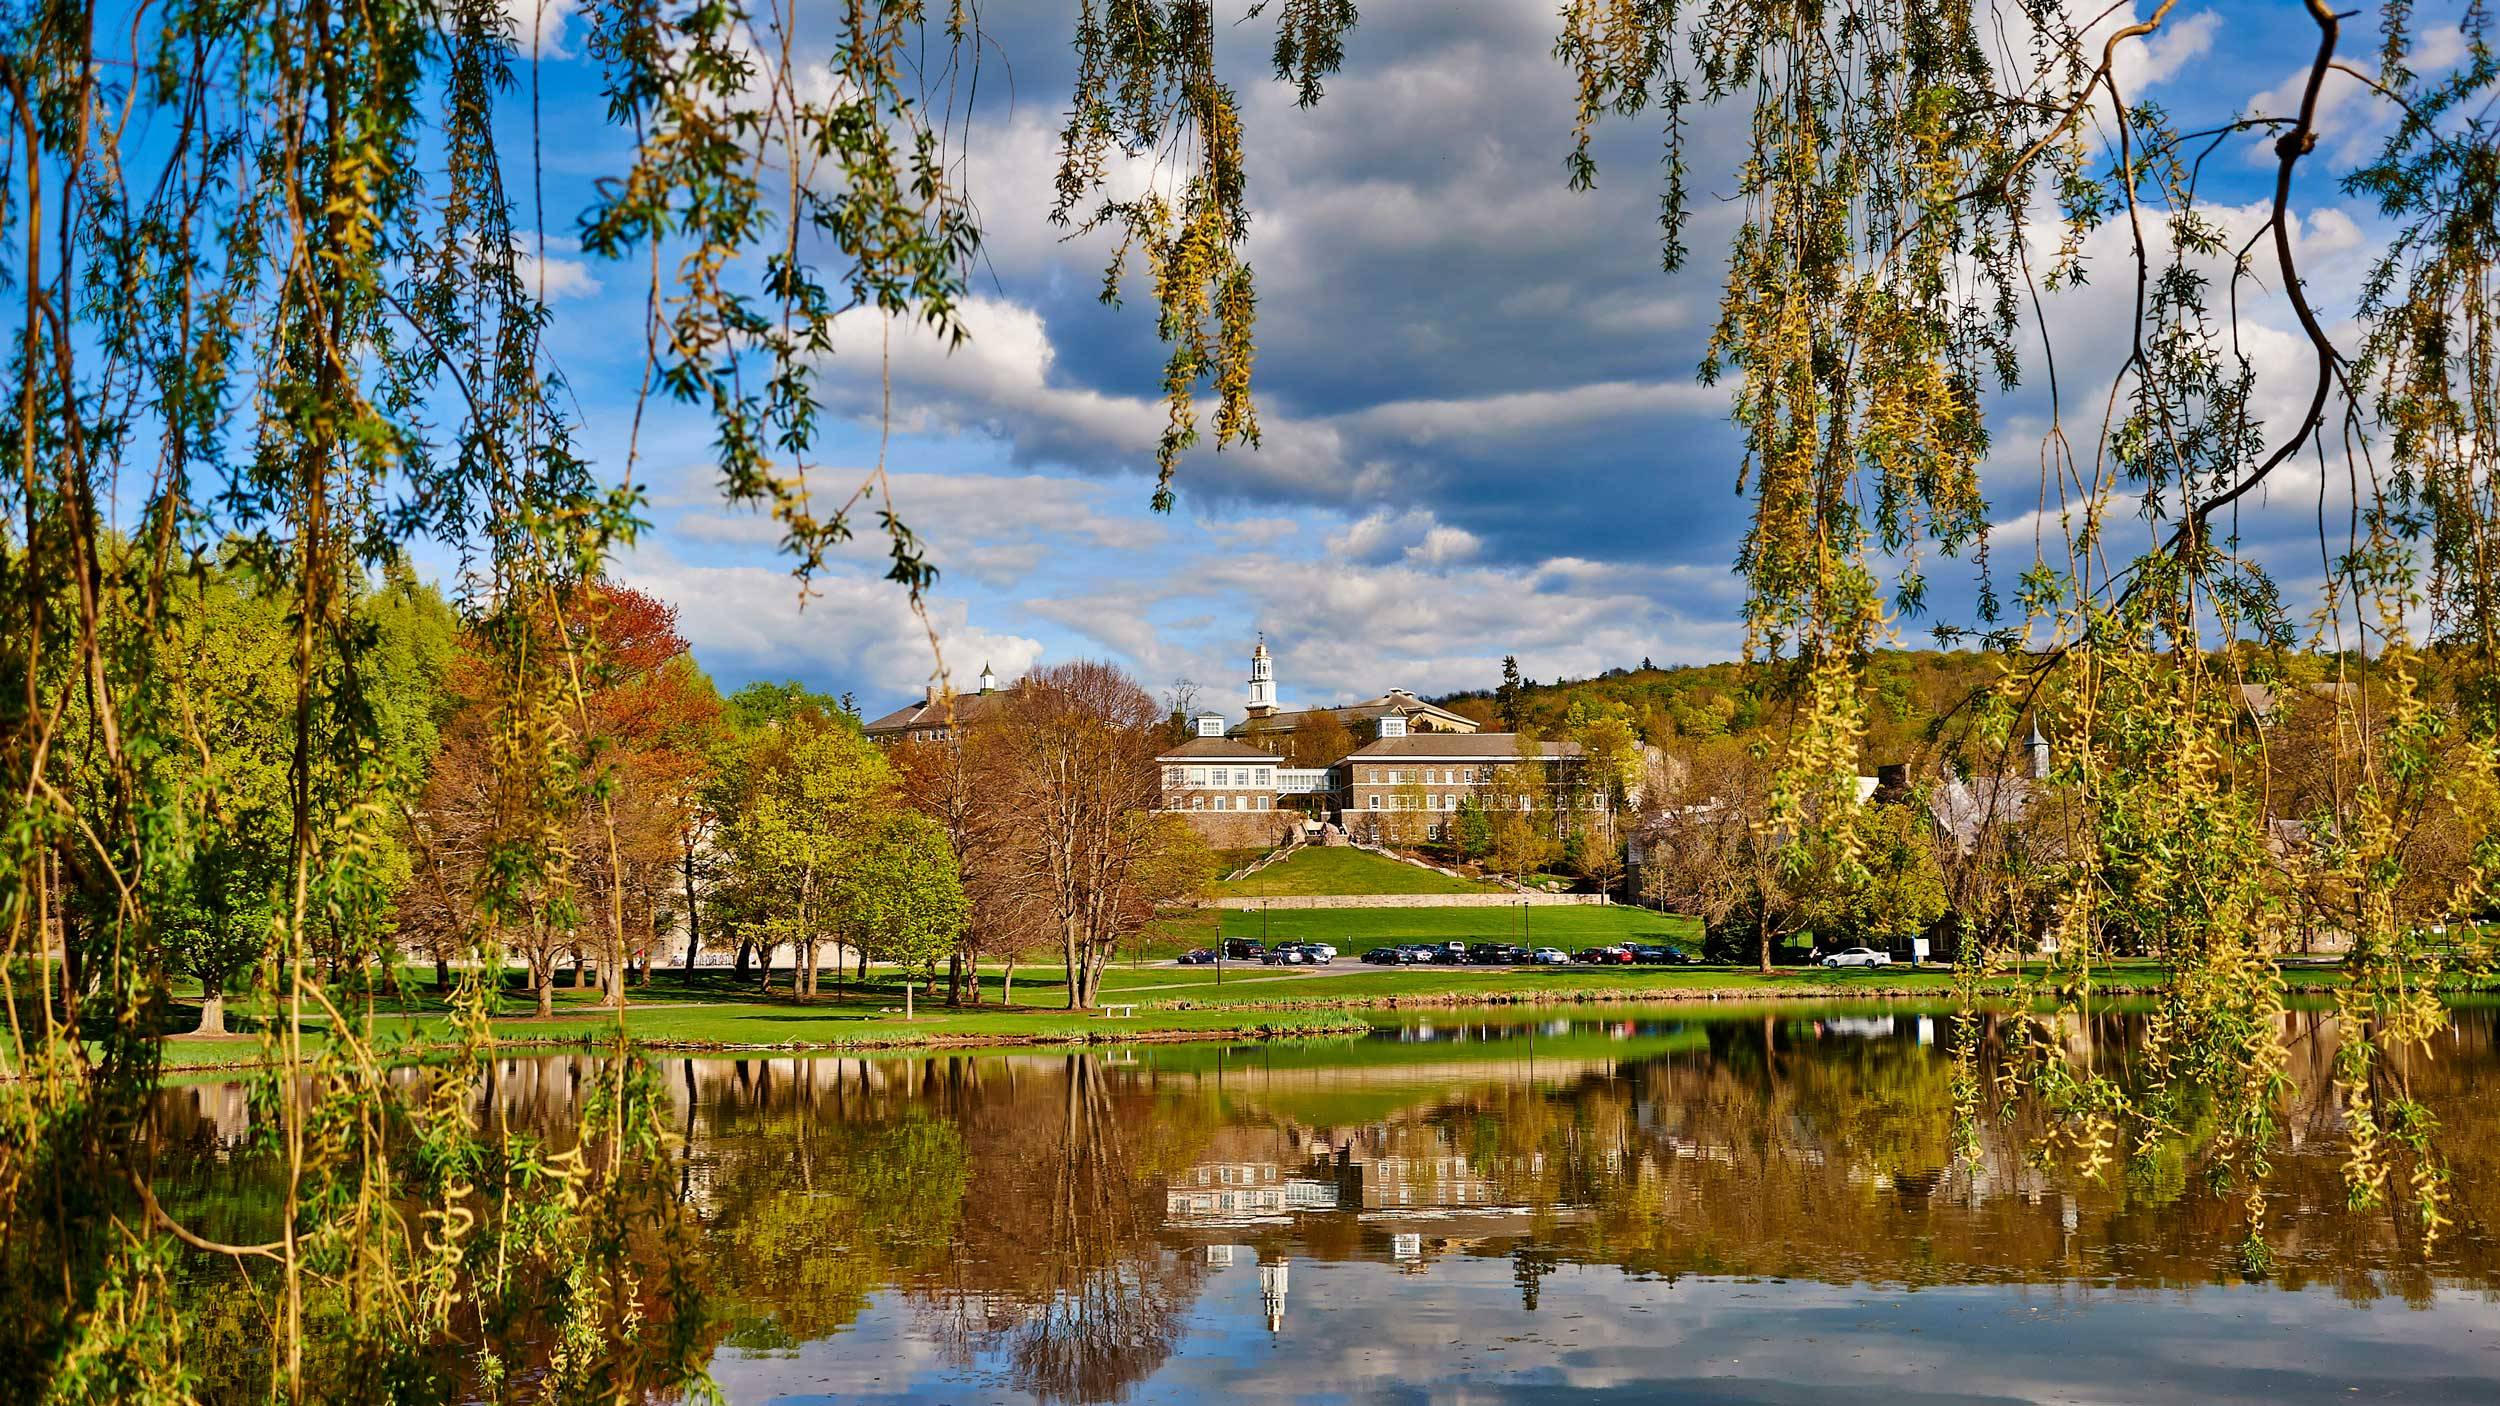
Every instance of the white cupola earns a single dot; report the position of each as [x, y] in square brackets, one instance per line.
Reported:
[1262, 680]
[1209, 724]
[1393, 724]
[989, 679]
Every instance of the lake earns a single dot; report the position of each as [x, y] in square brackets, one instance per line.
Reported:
[1746, 1205]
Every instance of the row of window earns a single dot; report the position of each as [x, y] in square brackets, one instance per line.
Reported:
[1203, 802]
[1424, 776]
[1445, 801]
[1240, 776]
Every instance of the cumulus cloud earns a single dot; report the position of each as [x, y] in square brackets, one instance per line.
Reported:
[849, 630]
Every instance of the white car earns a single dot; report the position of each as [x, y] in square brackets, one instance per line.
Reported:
[1548, 957]
[1858, 957]
[1320, 952]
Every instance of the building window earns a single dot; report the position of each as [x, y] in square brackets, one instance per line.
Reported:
[1197, 802]
[1197, 776]
[1267, 776]
[1433, 831]
[1375, 802]
[1172, 776]
[1262, 802]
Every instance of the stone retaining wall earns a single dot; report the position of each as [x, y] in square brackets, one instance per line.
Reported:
[1418, 900]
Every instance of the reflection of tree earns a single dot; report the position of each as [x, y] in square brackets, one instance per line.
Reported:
[822, 1186]
[1060, 1267]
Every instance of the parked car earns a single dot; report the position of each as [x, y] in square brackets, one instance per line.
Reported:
[1321, 952]
[1606, 956]
[1287, 954]
[1450, 954]
[1386, 956]
[1488, 954]
[1414, 953]
[1198, 957]
[1548, 957]
[1242, 949]
[1657, 954]
[1857, 957]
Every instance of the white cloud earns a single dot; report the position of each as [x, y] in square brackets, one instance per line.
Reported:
[543, 20]
[557, 276]
[851, 628]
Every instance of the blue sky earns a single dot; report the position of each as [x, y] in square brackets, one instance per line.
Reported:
[1482, 431]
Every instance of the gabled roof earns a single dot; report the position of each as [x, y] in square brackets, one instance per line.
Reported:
[1396, 700]
[1201, 749]
[930, 713]
[1459, 747]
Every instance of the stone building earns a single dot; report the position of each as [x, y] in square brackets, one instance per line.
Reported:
[1227, 787]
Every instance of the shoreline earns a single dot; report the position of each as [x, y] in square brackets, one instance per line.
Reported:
[1262, 1018]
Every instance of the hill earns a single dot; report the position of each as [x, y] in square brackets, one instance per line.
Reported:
[1676, 707]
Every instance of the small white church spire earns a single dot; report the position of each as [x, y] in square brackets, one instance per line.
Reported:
[1262, 680]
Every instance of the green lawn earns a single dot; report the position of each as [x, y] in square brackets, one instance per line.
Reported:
[1316, 869]
[1567, 926]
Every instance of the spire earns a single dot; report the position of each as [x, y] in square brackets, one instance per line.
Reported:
[989, 680]
[2039, 745]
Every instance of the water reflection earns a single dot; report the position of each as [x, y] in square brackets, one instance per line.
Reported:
[1760, 1206]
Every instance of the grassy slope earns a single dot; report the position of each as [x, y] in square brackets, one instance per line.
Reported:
[1317, 870]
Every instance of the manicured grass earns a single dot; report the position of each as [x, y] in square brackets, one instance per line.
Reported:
[1567, 926]
[1316, 869]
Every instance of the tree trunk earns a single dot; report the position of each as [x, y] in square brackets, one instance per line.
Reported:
[442, 975]
[546, 988]
[1007, 985]
[955, 977]
[1763, 931]
[212, 1006]
[738, 967]
[581, 973]
[907, 998]
[694, 919]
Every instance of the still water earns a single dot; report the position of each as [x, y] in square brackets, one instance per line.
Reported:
[1758, 1206]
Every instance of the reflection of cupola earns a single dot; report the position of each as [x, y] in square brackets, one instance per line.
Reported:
[1262, 681]
[1272, 1294]
[989, 680]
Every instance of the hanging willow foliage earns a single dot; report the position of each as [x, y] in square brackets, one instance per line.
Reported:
[268, 268]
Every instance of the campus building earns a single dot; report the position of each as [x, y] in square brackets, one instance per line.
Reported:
[1229, 789]
[937, 716]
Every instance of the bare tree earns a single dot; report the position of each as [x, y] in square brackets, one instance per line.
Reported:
[1075, 757]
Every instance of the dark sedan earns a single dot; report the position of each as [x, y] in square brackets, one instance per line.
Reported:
[1198, 957]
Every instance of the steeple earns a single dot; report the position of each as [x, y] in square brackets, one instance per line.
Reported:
[2039, 745]
[1262, 680]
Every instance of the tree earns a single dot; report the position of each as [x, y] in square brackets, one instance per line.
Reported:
[1319, 739]
[1076, 757]
[901, 894]
[1901, 894]
[1507, 698]
[806, 840]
